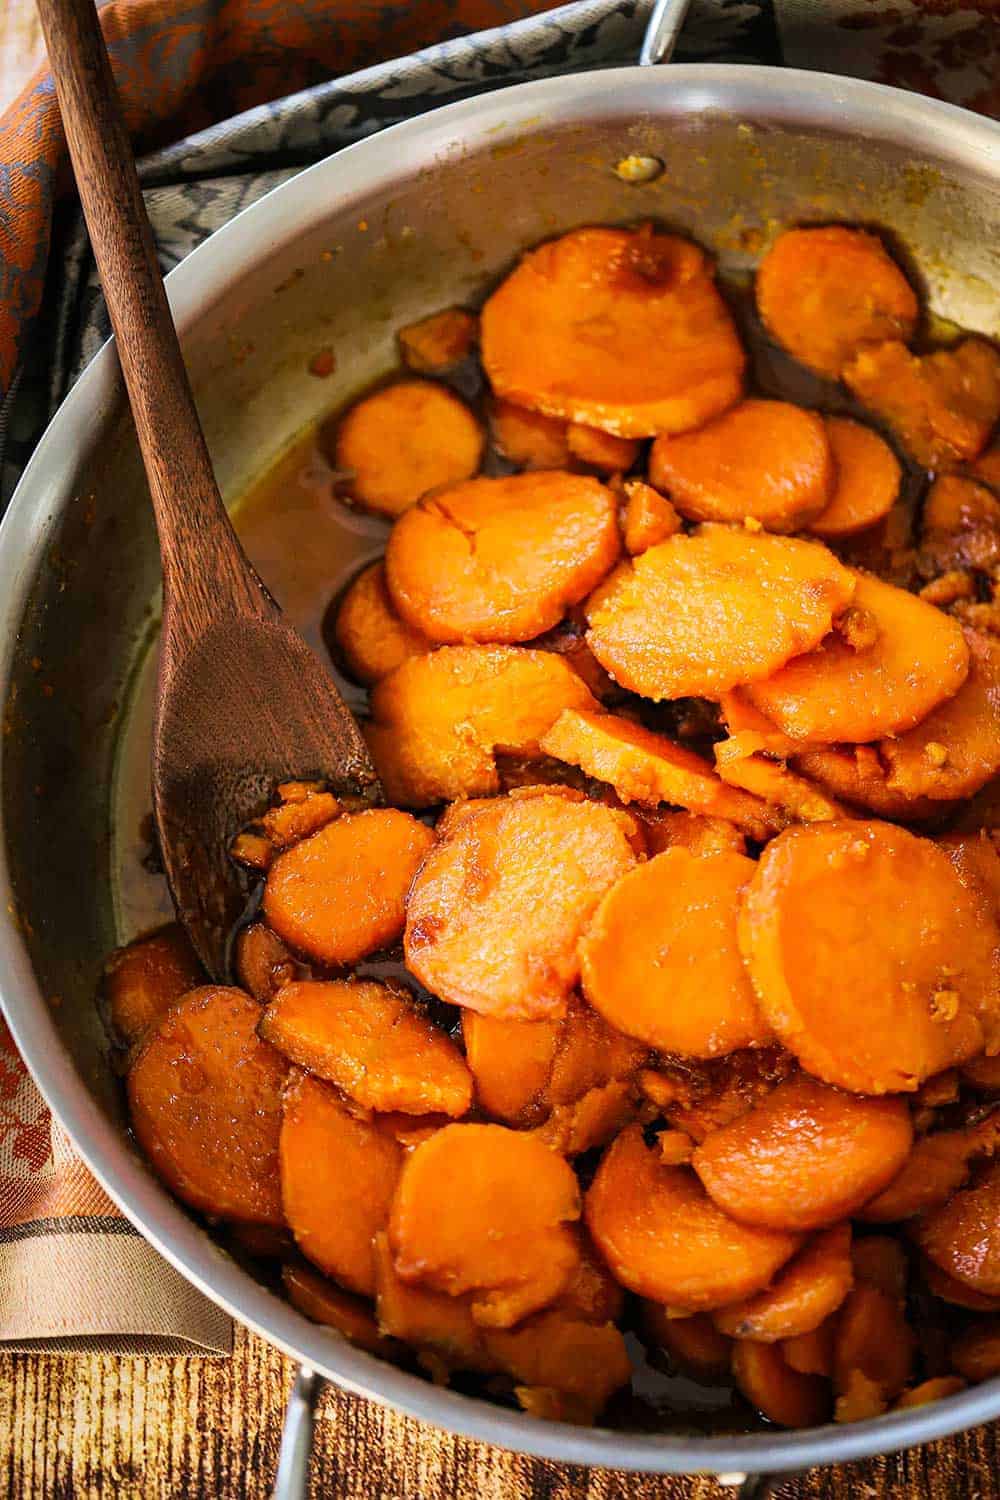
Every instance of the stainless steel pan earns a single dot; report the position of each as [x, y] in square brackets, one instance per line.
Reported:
[447, 202]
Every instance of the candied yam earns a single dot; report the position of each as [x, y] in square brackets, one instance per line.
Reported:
[501, 560]
[404, 440]
[649, 517]
[881, 1262]
[663, 1237]
[860, 1399]
[660, 958]
[768, 461]
[870, 960]
[960, 527]
[589, 1054]
[975, 858]
[621, 329]
[431, 1322]
[292, 822]
[369, 633]
[339, 894]
[835, 693]
[963, 1237]
[648, 768]
[511, 1062]
[143, 980]
[867, 480]
[873, 1337]
[590, 1121]
[263, 963]
[439, 342]
[703, 1097]
[693, 1344]
[826, 292]
[802, 1296]
[411, 1130]
[856, 774]
[929, 1390]
[976, 1352]
[941, 406]
[703, 613]
[936, 1166]
[676, 1147]
[252, 850]
[772, 781]
[750, 733]
[781, 1394]
[487, 1210]
[324, 1302]
[698, 832]
[338, 1176]
[592, 1293]
[947, 1289]
[204, 1096]
[495, 914]
[560, 1354]
[527, 438]
[601, 450]
[806, 1156]
[372, 1042]
[812, 1353]
[438, 720]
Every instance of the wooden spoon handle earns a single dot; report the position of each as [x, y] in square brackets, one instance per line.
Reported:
[205, 571]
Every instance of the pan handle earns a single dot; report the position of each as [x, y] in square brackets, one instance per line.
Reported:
[662, 32]
[291, 1482]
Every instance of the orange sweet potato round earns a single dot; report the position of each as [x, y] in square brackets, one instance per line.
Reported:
[372, 1042]
[564, 1357]
[369, 633]
[438, 720]
[339, 894]
[766, 460]
[511, 1062]
[527, 438]
[857, 775]
[204, 1095]
[439, 1327]
[929, 1390]
[601, 450]
[487, 1210]
[798, 798]
[937, 1165]
[144, 979]
[867, 479]
[836, 693]
[963, 1237]
[663, 1237]
[496, 911]
[699, 614]
[824, 293]
[874, 1338]
[870, 960]
[699, 832]
[694, 1344]
[404, 440]
[947, 1289]
[812, 1353]
[614, 328]
[324, 1302]
[501, 560]
[783, 1395]
[660, 958]
[802, 1296]
[440, 341]
[649, 517]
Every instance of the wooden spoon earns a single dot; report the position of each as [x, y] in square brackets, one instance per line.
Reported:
[242, 702]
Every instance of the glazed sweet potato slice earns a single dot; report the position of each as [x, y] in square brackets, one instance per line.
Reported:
[556, 1353]
[143, 980]
[439, 1327]
[866, 486]
[373, 1043]
[511, 1062]
[649, 517]
[677, 829]
[827, 292]
[934, 1169]
[338, 1177]
[802, 1296]
[589, 1054]
[694, 1345]
[660, 958]
[803, 801]
[873, 1339]
[781, 1394]
[943, 407]
[485, 1210]
[960, 527]
[368, 631]
[496, 912]
[501, 560]
[404, 440]
[324, 1302]
[438, 721]
[663, 1237]
[439, 342]
[601, 450]
[812, 1353]
[873, 1010]
[836, 693]
[976, 1352]
[927, 1391]
[699, 1098]
[614, 328]
[956, 1293]
[766, 461]
[339, 895]
[264, 963]
[963, 1237]
[805, 1157]
[857, 775]
[700, 614]
[528, 438]
[204, 1096]
[649, 768]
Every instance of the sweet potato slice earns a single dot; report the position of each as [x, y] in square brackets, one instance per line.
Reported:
[700, 1098]
[324, 1302]
[501, 560]
[511, 1062]
[263, 963]
[143, 980]
[857, 775]
[590, 1121]
[554, 1352]
[826, 292]
[929, 1390]
[975, 858]
[527, 438]
[806, 1156]
[874, 1010]
[942, 406]
[439, 342]
[660, 958]
[496, 911]
[768, 461]
[947, 1289]
[867, 479]
[648, 518]
[338, 1177]
[663, 1237]
[835, 694]
[960, 527]
[440, 1327]
[204, 1095]
[873, 1337]
[802, 800]
[750, 732]
[693, 1344]
[937, 1165]
[665, 829]
[781, 1394]
[963, 1237]
[437, 721]
[339, 895]
[589, 1054]
[649, 769]
[372, 1042]
[368, 631]
[601, 450]
[404, 440]
[486, 1210]
[592, 1293]
[976, 1352]
[614, 328]
[700, 614]
[812, 1353]
[802, 1296]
